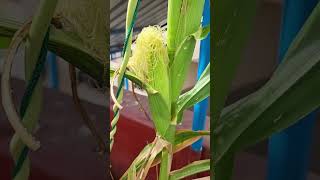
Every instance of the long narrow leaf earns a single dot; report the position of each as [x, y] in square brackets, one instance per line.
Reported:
[184, 18]
[136, 80]
[182, 60]
[191, 169]
[64, 45]
[232, 23]
[292, 93]
[199, 92]
[184, 135]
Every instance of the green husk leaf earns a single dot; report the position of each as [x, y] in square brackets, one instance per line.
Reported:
[149, 62]
[88, 20]
[160, 113]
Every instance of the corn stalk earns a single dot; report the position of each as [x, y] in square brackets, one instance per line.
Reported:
[161, 69]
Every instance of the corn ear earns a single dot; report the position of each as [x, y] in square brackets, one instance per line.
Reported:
[149, 62]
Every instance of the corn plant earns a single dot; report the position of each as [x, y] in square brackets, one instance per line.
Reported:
[290, 94]
[160, 67]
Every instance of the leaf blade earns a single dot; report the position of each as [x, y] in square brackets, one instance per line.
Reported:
[191, 169]
[289, 95]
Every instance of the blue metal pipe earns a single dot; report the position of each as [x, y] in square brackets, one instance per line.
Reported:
[200, 109]
[53, 71]
[126, 83]
[289, 150]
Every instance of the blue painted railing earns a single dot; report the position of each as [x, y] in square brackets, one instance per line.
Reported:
[200, 109]
[289, 150]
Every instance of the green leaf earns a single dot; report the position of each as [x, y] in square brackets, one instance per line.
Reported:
[136, 80]
[191, 169]
[291, 93]
[160, 113]
[232, 24]
[66, 46]
[198, 93]
[180, 66]
[158, 106]
[183, 139]
[132, 173]
[202, 33]
[182, 60]
[184, 18]
[184, 135]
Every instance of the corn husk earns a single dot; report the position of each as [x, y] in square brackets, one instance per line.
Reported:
[149, 62]
[88, 20]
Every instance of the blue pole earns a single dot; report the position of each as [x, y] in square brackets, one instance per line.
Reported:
[200, 109]
[289, 149]
[126, 83]
[53, 71]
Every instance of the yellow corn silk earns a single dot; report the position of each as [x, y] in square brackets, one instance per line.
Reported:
[150, 60]
[88, 21]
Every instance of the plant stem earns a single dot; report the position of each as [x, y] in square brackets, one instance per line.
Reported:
[165, 165]
[167, 153]
[39, 27]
